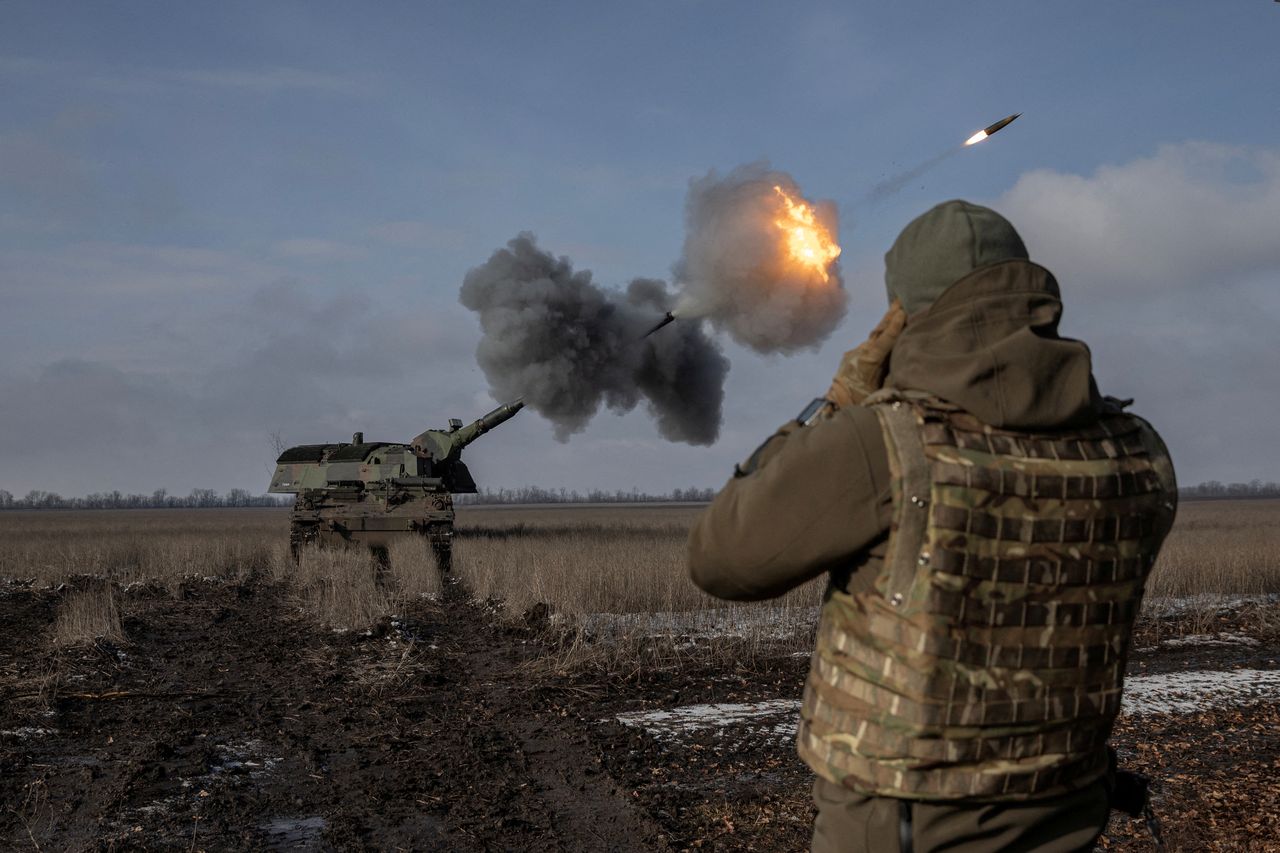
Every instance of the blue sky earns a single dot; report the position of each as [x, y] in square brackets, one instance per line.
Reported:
[223, 220]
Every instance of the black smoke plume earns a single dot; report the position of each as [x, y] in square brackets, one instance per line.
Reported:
[568, 346]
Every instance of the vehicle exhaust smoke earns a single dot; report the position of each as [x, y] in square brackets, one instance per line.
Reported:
[568, 346]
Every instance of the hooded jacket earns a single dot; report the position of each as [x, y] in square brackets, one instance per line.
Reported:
[982, 334]
[816, 499]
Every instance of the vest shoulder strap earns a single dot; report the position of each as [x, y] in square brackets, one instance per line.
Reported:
[911, 476]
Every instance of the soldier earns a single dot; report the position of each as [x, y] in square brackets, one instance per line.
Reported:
[987, 522]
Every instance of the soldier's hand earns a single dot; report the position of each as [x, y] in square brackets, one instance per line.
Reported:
[863, 368]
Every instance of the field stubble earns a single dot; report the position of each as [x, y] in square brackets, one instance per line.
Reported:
[613, 581]
[611, 585]
[601, 573]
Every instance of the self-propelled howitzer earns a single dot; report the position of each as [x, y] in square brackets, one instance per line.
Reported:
[374, 493]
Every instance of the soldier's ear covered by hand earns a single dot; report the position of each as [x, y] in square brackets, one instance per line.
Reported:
[863, 368]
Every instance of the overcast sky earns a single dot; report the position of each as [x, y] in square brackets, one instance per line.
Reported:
[223, 220]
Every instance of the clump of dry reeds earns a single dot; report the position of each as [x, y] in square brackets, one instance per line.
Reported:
[138, 545]
[88, 614]
[413, 568]
[1220, 548]
[340, 586]
[614, 584]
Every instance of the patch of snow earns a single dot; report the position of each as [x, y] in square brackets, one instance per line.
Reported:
[774, 717]
[243, 757]
[709, 624]
[294, 831]
[1219, 639]
[165, 804]
[27, 731]
[1167, 693]
[1197, 690]
[1182, 605]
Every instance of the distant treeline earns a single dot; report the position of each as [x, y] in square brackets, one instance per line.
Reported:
[159, 499]
[208, 498]
[1213, 490]
[538, 495]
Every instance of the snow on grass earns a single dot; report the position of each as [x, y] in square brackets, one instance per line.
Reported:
[709, 624]
[27, 731]
[771, 717]
[1167, 606]
[1187, 692]
[1219, 639]
[1167, 693]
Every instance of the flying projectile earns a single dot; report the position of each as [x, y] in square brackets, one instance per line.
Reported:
[990, 129]
[667, 318]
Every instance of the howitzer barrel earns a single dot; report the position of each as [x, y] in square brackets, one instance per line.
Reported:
[442, 445]
[481, 425]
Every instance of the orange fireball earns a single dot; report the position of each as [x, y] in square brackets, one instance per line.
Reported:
[809, 243]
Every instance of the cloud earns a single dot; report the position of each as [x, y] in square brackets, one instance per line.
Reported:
[131, 269]
[314, 368]
[260, 80]
[46, 167]
[1170, 269]
[1190, 214]
[315, 249]
[275, 80]
[417, 234]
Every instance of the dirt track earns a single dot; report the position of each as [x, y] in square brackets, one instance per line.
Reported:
[231, 721]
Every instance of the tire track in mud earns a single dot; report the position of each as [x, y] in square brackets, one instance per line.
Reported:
[232, 721]
[536, 781]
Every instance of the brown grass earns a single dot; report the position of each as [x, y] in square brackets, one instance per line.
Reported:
[1220, 548]
[614, 580]
[88, 614]
[340, 586]
[411, 564]
[580, 561]
[136, 545]
[600, 568]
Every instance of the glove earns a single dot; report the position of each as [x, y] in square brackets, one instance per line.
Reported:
[863, 368]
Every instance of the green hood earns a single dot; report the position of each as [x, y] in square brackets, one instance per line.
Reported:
[942, 246]
[990, 344]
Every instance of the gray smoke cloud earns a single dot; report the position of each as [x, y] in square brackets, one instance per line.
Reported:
[569, 346]
[894, 184]
[737, 269]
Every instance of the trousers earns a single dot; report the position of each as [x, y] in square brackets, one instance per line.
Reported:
[849, 822]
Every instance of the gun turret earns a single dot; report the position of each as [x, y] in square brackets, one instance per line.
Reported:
[446, 445]
[380, 492]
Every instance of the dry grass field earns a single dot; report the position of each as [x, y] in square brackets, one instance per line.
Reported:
[1220, 548]
[140, 545]
[582, 563]
[103, 551]
[172, 679]
[586, 561]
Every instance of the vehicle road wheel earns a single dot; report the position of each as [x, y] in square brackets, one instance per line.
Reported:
[300, 536]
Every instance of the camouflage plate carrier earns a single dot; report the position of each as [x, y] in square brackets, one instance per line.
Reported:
[988, 660]
[376, 492]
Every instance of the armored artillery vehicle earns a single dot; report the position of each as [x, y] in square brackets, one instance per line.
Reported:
[376, 492]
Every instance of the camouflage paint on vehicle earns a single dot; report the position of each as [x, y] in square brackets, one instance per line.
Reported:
[373, 493]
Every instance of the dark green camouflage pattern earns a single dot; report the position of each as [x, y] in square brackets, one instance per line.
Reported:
[374, 493]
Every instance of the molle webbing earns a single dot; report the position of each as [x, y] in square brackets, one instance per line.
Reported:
[989, 658]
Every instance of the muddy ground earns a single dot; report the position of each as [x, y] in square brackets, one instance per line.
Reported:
[231, 721]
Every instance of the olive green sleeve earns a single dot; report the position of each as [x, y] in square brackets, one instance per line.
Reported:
[807, 500]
